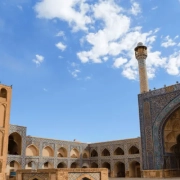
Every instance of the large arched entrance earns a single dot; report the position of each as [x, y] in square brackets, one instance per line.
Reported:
[172, 141]
[119, 169]
[14, 144]
[134, 169]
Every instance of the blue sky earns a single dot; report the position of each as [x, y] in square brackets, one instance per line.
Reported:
[72, 65]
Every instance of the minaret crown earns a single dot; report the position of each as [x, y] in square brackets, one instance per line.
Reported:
[140, 51]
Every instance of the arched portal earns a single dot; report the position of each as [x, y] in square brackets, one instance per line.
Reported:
[119, 169]
[31, 165]
[108, 166]
[172, 140]
[61, 165]
[14, 144]
[3, 93]
[48, 152]
[134, 169]
[13, 166]
[32, 150]
[47, 165]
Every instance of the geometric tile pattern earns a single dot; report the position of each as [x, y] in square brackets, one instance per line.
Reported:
[74, 176]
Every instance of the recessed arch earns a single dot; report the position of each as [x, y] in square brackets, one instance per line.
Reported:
[47, 165]
[85, 177]
[74, 165]
[2, 115]
[118, 151]
[61, 165]
[62, 152]
[105, 152]
[133, 150]
[3, 93]
[12, 166]
[32, 150]
[47, 152]
[15, 144]
[108, 166]
[1, 140]
[94, 165]
[0, 166]
[119, 169]
[85, 165]
[74, 153]
[94, 153]
[31, 165]
[134, 169]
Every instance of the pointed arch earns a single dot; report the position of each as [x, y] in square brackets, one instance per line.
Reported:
[134, 169]
[62, 152]
[31, 165]
[32, 150]
[108, 166]
[47, 152]
[94, 153]
[119, 169]
[74, 165]
[13, 166]
[47, 165]
[85, 177]
[62, 165]
[3, 93]
[85, 165]
[118, 151]
[15, 144]
[105, 152]
[74, 153]
[133, 150]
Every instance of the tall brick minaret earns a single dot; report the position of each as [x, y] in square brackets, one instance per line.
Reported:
[141, 55]
[5, 103]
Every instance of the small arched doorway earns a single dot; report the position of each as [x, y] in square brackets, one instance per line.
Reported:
[134, 169]
[108, 166]
[119, 169]
[74, 165]
[61, 165]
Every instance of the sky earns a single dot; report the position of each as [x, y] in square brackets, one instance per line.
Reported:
[72, 67]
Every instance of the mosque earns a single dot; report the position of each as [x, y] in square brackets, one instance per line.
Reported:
[155, 154]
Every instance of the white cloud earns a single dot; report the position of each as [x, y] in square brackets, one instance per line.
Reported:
[168, 42]
[72, 11]
[60, 33]
[173, 65]
[61, 46]
[154, 8]
[44, 89]
[75, 73]
[39, 59]
[119, 62]
[135, 9]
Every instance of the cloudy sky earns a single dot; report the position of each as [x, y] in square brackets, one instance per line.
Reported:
[72, 65]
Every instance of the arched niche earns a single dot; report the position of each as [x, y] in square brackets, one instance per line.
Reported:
[171, 131]
[74, 165]
[47, 165]
[15, 144]
[0, 166]
[105, 152]
[61, 165]
[119, 169]
[47, 152]
[94, 165]
[1, 143]
[3, 93]
[134, 169]
[85, 154]
[85, 165]
[108, 166]
[2, 115]
[118, 151]
[62, 152]
[85, 177]
[12, 166]
[94, 153]
[31, 165]
[32, 150]
[133, 150]
[74, 153]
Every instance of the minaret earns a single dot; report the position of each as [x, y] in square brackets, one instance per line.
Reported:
[5, 103]
[141, 55]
